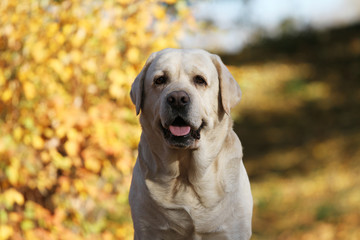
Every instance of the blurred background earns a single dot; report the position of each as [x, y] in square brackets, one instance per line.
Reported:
[69, 134]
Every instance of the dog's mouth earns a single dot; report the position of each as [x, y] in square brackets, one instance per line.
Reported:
[181, 134]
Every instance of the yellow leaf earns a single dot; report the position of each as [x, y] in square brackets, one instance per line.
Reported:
[60, 131]
[159, 12]
[37, 142]
[125, 1]
[18, 133]
[52, 29]
[27, 139]
[124, 230]
[72, 147]
[111, 56]
[56, 65]
[117, 91]
[133, 55]
[76, 56]
[169, 1]
[45, 156]
[108, 188]
[124, 165]
[59, 39]
[2, 78]
[68, 29]
[73, 134]
[12, 196]
[90, 65]
[161, 43]
[92, 164]
[27, 225]
[7, 95]
[24, 73]
[117, 76]
[39, 52]
[6, 232]
[12, 173]
[130, 72]
[49, 133]
[34, 26]
[66, 74]
[29, 90]
[79, 185]
[78, 38]
[131, 25]
[59, 161]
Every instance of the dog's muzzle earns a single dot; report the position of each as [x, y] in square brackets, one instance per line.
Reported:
[178, 131]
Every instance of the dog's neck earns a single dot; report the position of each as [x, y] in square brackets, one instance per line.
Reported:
[162, 162]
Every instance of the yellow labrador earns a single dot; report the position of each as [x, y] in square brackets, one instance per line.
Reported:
[189, 181]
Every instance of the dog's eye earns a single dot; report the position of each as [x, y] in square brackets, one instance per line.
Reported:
[160, 80]
[200, 80]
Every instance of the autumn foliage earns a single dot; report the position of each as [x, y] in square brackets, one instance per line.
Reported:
[68, 131]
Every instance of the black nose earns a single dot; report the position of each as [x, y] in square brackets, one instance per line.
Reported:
[178, 99]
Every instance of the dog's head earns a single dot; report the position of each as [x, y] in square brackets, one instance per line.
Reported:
[182, 94]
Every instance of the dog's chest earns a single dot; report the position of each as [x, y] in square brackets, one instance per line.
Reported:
[202, 202]
[173, 194]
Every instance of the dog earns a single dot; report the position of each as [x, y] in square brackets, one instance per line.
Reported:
[189, 181]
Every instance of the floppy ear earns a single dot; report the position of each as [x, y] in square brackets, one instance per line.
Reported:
[136, 92]
[230, 92]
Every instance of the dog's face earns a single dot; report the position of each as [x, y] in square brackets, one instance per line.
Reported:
[183, 94]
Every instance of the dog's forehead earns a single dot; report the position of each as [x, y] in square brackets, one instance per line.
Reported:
[189, 61]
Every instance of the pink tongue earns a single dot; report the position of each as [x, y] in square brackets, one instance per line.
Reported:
[179, 131]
